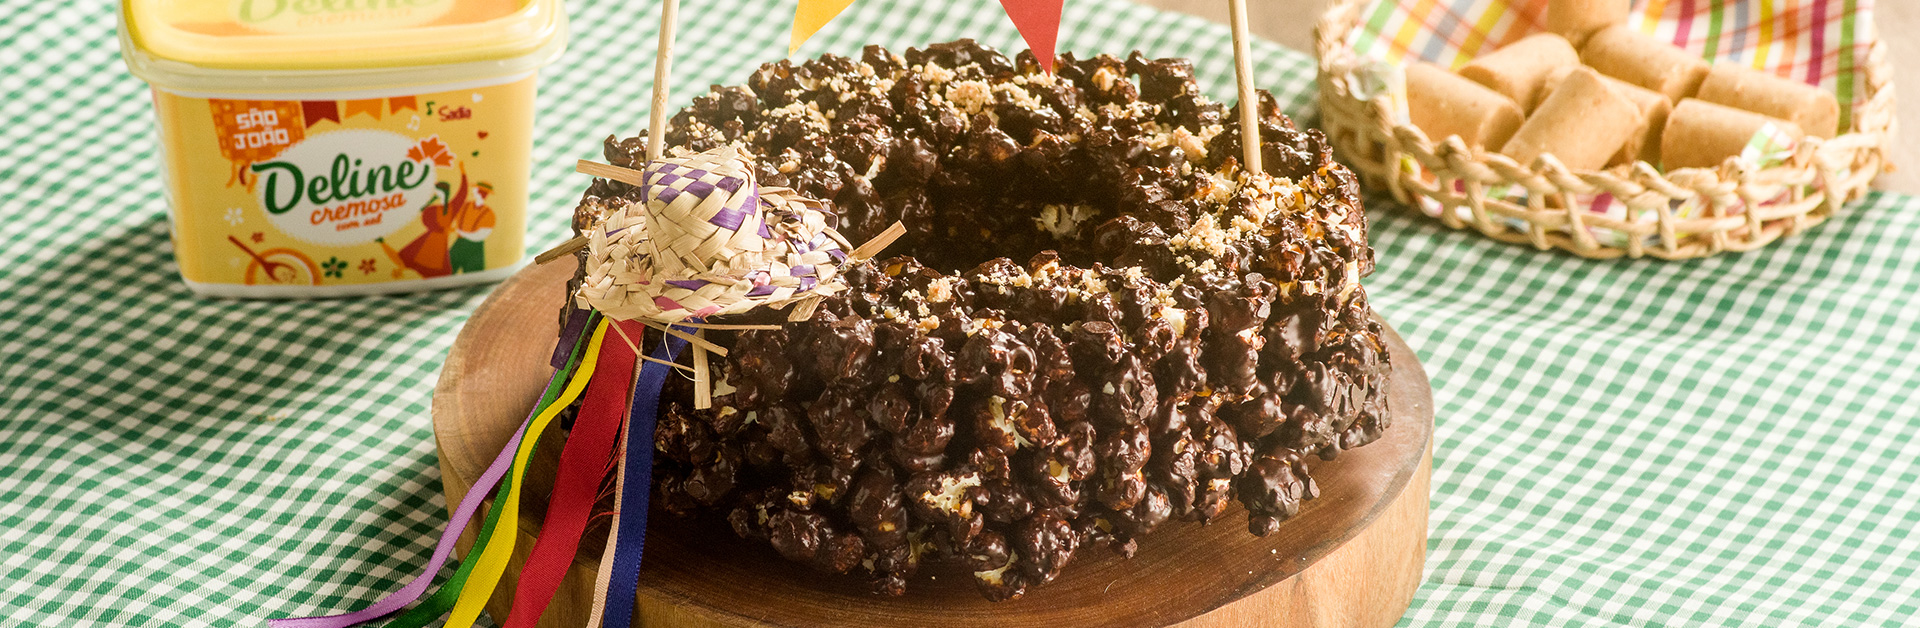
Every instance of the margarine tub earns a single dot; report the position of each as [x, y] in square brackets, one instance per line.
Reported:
[336, 147]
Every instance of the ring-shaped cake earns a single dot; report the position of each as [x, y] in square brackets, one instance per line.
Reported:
[1181, 335]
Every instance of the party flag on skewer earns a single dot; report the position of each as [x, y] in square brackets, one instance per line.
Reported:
[1039, 24]
[810, 17]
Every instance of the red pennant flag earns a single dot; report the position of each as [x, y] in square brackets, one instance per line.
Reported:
[398, 103]
[1039, 23]
[316, 110]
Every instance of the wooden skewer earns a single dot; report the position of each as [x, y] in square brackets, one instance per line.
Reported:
[565, 249]
[656, 126]
[1249, 99]
[662, 64]
[628, 176]
[702, 381]
[879, 242]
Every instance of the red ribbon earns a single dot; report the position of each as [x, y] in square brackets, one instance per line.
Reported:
[584, 463]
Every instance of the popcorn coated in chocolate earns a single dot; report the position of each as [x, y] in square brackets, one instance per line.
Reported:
[1181, 337]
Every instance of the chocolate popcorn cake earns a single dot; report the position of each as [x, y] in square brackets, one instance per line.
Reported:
[1177, 336]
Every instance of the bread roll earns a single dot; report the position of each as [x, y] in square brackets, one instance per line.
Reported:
[1442, 103]
[1583, 123]
[1578, 19]
[1644, 145]
[1519, 71]
[1815, 110]
[1630, 56]
[1701, 134]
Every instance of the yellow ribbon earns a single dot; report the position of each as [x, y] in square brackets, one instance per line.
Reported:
[493, 560]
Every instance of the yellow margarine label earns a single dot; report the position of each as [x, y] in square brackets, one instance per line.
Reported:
[324, 193]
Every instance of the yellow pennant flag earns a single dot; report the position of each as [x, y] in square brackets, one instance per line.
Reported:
[810, 17]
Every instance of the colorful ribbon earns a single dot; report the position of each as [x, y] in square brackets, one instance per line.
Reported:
[605, 374]
[569, 344]
[442, 600]
[492, 561]
[630, 528]
[602, 370]
[583, 464]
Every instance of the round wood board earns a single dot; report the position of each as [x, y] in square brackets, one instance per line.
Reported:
[1353, 557]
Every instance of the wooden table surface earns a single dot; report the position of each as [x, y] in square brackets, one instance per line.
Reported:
[1288, 22]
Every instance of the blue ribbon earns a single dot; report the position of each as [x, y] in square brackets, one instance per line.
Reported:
[636, 489]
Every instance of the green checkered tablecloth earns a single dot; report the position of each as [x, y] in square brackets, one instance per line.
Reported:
[1724, 442]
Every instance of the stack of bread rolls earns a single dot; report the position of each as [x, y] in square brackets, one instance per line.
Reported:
[1595, 94]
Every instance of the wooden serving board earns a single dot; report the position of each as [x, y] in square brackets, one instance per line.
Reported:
[1353, 557]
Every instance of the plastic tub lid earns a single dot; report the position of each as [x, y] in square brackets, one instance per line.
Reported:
[224, 45]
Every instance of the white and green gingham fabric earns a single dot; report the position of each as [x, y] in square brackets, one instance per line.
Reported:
[1723, 442]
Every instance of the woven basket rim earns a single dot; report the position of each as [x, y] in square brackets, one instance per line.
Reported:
[1840, 168]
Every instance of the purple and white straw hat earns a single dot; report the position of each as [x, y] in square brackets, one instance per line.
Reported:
[709, 241]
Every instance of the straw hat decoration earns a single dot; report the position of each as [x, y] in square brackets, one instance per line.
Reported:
[709, 241]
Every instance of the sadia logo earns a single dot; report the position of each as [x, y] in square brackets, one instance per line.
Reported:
[345, 187]
[309, 16]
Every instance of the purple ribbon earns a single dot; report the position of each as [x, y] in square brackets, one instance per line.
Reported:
[469, 504]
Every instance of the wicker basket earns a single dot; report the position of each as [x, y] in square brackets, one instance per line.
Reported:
[1737, 207]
